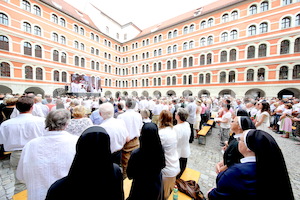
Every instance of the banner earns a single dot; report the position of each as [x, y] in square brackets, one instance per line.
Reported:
[82, 84]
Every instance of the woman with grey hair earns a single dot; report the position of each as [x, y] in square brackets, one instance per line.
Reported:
[47, 158]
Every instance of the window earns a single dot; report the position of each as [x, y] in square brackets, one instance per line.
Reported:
[55, 55]
[38, 51]
[56, 75]
[285, 47]
[92, 36]
[184, 80]
[64, 77]
[154, 54]
[175, 33]
[210, 22]
[174, 48]
[264, 6]
[250, 75]
[76, 29]
[28, 72]
[191, 61]
[76, 61]
[234, 15]
[297, 20]
[54, 37]
[27, 49]
[168, 81]
[5, 69]
[82, 46]
[26, 27]
[286, 2]
[209, 59]
[159, 52]
[286, 23]
[63, 57]
[203, 25]
[262, 50]
[4, 43]
[231, 77]
[184, 62]
[252, 30]
[253, 10]
[296, 72]
[169, 50]
[297, 45]
[202, 42]
[169, 35]
[3, 19]
[261, 74]
[185, 46]
[26, 6]
[159, 81]
[36, 10]
[76, 44]
[210, 40]
[263, 27]
[201, 78]
[37, 31]
[54, 18]
[192, 27]
[232, 55]
[207, 78]
[190, 79]
[81, 31]
[63, 40]
[233, 34]
[185, 30]
[222, 77]
[174, 80]
[174, 64]
[223, 56]
[202, 59]
[191, 44]
[159, 39]
[225, 18]
[62, 22]
[82, 62]
[169, 64]
[39, 73]
[283, 72]
[251, 52]
[224, 37]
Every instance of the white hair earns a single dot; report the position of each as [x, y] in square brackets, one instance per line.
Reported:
[106, 110]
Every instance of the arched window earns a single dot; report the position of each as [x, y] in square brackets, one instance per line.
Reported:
[54, 18]
[168, 81]
[184, 62]
[231, 77]
[174, 48]
[202, 42]
[184, 80]
[4, 43]
[296, 72]
[232, 55]
[285, 47]
[27, 49]
[76, 61]
[286, 2]
[224, 37]
[97, 66]
[283, 72]
[54, 37]
[191, 61]
[251, 52]
[62, 22]
[159, 66]
[159, 81]
[296, 45]
[234, 15]
[37, 31]
[185, 30]
[82, 31]
[207, 78]
[64, 77]
[297, 20]
[253, 10]
[223, 56]
[209, 59]
[38, 51]
[222, 77]
[62, 39]
[154, 67]
[56, 75]
[264, 6]
[286, 22]
[169, 50]
[174, 64]
[154, 81]
[63, 57]
[174, 80]
[192, 27]
[210, 40]
[233, 34]
[175, 33]
[76, 29]
[190, 79]
[252, 30]
[202, 59]
[28, 72]
[201, 78]
[262, 50]
[169, 64]
[26, 5]
[202, 24]
[185, 46]
[250, 75]
[155, 53]
[261, 74]
[263, 27]
[210, 22]
[26, 27]
[39, 73]
[225, 18]
[3, 19]
[5, 69]
[55, 55]
[191, 44]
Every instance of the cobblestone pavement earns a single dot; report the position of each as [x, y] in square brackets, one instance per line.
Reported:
[204, 157]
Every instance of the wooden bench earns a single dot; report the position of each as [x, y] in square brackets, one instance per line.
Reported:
[20, 196]
[188, 174]
[6, 152]
[202, 134]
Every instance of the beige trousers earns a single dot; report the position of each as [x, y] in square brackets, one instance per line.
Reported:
[126, 152]
[14, 160]
[169, 183]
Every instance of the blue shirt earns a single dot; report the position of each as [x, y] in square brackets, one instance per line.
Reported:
[96, 118]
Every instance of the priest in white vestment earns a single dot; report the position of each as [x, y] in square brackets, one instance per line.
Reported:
[47, 159]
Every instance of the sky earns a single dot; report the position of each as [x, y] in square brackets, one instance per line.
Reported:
[142, 13]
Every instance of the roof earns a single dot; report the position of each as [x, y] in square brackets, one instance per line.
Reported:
[190, 15]
[71, 11]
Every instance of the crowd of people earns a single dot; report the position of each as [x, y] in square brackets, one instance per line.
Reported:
[76, 147]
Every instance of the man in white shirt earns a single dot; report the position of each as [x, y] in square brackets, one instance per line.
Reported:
[134, 123]
[225, 124]
[191, 108]
[116, 129]
[15, 133]
[44, 108]
[156, 111]
[143, 104]
[48, 158]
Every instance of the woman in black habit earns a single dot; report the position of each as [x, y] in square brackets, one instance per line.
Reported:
[92, 174]
[145, 165]
[262, 173]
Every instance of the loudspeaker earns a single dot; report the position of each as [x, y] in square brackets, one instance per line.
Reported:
[66, 88]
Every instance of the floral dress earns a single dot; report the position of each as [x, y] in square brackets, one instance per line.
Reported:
[286, 122]
[77, 126]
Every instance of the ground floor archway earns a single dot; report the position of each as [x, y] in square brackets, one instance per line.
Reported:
[157, 94]
[254, 93]
[118, 94]
[125, 93]
[145, 93]
[38, 90]
[203, 93]
[187, 93]
[134, 94]
[171, 93]
[5, 90]
[289, 92]
[227, 92]
[59, 92]
[108, 94]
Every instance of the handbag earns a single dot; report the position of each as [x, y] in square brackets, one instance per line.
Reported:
[190, 188]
